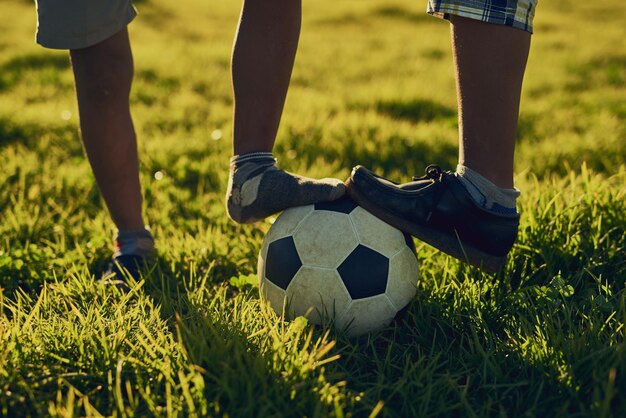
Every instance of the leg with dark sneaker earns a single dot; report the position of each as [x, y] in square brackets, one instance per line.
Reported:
[103, 74]
[133, 251]
[263, 58]
[122, 268]
[102, 63]
[469, 214]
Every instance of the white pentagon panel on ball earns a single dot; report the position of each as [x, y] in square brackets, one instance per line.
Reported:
[403, 276]
[325, 239]
[366, 315]
[288, 221]
[376, 233]
[260, 264]
[262, 257]
[274, 295]
[314, 291]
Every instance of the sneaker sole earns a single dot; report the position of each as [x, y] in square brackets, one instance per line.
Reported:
[449, 245]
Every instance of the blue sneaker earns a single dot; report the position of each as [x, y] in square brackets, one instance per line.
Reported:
[123, 267]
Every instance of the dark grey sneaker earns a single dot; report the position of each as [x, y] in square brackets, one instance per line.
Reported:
[123, 267]
[437, 209]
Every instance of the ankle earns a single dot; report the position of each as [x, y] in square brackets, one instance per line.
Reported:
[485, 193]
[139, 242]
[260, 157]
[500, 176]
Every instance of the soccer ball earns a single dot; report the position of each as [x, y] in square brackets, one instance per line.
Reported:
[336, 261]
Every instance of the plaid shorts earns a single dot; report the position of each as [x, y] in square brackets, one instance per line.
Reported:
[515, 13]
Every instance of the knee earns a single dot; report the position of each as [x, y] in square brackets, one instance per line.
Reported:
[103, 72]
[273, 7]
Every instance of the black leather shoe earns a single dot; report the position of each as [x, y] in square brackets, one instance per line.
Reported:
[438, 210]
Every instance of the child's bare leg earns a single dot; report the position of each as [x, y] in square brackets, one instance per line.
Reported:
[490, 61]
[103, 74]
[263, 58]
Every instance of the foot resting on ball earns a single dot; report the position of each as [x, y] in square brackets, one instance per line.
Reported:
[258, 189]
[469, 222]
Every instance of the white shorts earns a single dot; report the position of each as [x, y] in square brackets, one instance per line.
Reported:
[75, 24]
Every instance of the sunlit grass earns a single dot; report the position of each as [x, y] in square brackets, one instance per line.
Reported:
[373, 85]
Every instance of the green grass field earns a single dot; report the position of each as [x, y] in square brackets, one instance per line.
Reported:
[373, 85]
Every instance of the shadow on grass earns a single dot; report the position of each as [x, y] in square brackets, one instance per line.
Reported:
[30, 134]
[387, 154]
[607, 71]
[397, 13]
[401, 13]
[12, 72]
[11, 132]
[441, 362]
[429, 364]
[416, 110]
[409, 159]
[241, 378]
[549, 344]
[448, 355]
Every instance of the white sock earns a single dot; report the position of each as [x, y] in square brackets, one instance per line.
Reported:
[139, 242]
[486, 194]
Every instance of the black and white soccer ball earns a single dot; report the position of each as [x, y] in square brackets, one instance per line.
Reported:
[336, 261]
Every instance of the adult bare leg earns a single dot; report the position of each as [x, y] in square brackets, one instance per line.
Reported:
[469, 214]
[490, 61]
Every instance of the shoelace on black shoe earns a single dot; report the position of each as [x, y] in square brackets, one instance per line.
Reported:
[433, 172]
